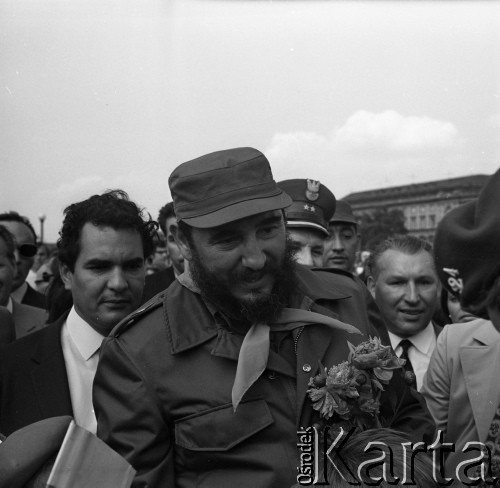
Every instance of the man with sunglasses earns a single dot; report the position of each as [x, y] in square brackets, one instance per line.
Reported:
[25, 238]
[27, 319]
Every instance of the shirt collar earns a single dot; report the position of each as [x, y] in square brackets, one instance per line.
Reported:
[422, 340]
[86, 339]
[18, 294]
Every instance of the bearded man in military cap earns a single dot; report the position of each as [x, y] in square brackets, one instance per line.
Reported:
[207, 384]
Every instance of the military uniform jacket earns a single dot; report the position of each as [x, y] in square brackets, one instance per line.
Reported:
[162, 392]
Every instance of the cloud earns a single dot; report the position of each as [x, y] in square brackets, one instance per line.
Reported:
[391, 131]
[370, 150]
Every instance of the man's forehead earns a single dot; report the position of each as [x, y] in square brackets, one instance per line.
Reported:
[302, 233]
[20, 231]
[394, 259]
[94, 237]
[339, 226]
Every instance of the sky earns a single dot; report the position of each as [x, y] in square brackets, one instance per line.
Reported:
[104, 94]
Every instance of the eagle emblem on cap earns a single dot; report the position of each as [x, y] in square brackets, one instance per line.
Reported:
[312, 192]
[454, 281]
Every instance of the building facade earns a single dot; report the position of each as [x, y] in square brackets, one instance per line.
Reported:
[423, 204]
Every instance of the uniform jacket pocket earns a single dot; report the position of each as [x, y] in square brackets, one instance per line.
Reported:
[220, 429]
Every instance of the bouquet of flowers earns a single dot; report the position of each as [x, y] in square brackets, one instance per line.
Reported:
[349, 393]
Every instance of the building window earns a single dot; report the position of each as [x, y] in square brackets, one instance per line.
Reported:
[422, 222]
[413, 222]
[432, 220]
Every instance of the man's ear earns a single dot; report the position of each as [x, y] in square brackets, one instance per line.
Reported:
[370, 284]
[66, 276]
[181, 241]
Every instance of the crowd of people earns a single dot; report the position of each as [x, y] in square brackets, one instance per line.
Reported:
[190, 346]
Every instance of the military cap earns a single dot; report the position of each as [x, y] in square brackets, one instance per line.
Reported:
[313, 204]
[225, 186]
[343, 213]
[466, 249]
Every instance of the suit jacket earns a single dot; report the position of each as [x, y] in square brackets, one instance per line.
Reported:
[34, 298]
[27, 319]
[157, 282]
[461, 385]
[33, 379]
[7, 330]
[162, 391]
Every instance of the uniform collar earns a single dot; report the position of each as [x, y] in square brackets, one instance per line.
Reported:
[315, 284]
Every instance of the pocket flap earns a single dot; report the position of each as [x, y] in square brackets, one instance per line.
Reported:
[220, 429]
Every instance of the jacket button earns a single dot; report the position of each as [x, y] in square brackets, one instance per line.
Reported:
[272, 375]
[306, 368]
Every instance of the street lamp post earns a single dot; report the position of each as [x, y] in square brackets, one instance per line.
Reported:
[42, 220]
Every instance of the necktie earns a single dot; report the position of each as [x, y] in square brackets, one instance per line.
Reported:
[254, 352]
[410, 377]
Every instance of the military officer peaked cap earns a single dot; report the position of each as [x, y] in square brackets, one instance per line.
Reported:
[225, 186]
[343, 213]
[313, 204]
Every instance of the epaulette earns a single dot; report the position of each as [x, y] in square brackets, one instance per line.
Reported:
[143, 310]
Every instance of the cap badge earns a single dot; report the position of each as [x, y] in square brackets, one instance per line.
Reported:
[312, 192]
[454, 281]
[311, 208]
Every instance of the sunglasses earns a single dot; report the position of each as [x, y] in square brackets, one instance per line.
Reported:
[27, 250]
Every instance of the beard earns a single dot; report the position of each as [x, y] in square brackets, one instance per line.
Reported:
[260, 307]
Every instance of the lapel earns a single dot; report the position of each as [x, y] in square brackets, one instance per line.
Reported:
[23, 320]
[48, 372]
[479, 363]
[312, 348]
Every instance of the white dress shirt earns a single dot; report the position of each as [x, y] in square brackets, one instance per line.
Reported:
[81, 345]
[424, 343]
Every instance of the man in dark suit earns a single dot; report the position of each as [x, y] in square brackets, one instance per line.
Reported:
[27, 319]
[7, 332]
[25, 237]
[102, 249]
[404, 283]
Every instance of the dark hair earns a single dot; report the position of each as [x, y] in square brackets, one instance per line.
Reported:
[7, 237]
[165, 213]
[114, 209]
[354, 452]
[487, 297]
[12, 216]
[58, 300]
[406, 244]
